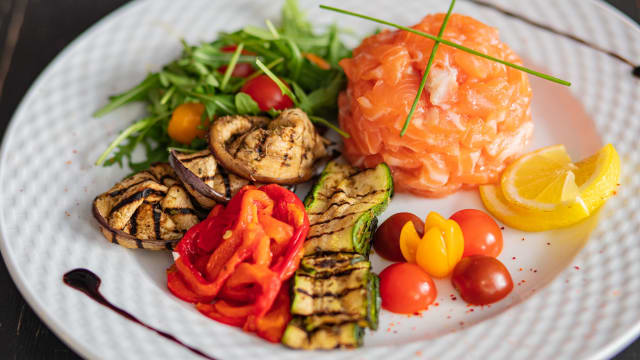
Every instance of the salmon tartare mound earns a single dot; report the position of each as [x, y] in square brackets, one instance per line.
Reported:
[473, 118]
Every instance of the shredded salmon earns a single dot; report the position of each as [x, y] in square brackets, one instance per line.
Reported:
[473, 118]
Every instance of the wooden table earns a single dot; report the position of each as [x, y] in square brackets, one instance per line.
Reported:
[32, 33]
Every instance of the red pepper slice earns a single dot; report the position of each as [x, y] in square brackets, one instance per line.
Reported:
[179, 289]
[209, 310]
[240, 256]
[271, 326]
[266, 280]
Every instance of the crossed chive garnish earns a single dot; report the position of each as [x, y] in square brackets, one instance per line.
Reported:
[439, 40]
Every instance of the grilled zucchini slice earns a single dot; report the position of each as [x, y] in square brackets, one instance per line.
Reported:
[335, 295]
[343, 206]
[346, 335]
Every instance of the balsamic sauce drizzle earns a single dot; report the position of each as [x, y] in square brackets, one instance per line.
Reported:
[89, 283]
[636, 68]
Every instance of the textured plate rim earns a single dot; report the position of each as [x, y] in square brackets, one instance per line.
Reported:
[613, 347]
[58, 329]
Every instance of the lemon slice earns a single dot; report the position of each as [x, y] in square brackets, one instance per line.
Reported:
[598, 177]
[541, 180]
[526, 219]
[595, 178]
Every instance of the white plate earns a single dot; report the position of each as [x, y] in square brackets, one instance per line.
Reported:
[574, 299]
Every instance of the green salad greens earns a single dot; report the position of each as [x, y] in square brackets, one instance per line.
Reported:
[291, 53]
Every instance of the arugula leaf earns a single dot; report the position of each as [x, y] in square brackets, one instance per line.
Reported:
[135, 94]
[245, 104]
[294, 21]
[196, 77]
[325, 96]
[259, 33]
[225, 103]
[329, 124]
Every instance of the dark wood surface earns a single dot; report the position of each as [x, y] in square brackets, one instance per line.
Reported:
[32, 33]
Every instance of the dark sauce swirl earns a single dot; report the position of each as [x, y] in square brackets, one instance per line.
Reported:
[89, 283]
[636, 68]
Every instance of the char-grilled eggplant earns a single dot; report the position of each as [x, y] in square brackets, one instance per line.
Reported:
[281, 151]
[148, 210]
[207, 182]
[343, 206]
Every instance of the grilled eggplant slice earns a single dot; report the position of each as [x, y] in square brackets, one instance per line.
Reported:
[346, 335]
[148, 210]
[280, 151]
[207, 182]
[343, 206]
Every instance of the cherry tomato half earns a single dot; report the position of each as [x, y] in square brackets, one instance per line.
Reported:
[386, 241]
[241, 69]
[482, 236]
[406, 288]
[266, 93]
[481, 280]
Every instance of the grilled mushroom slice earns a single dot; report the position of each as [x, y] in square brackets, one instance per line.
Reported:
[207, 182]
[280, 151]
[149, 210]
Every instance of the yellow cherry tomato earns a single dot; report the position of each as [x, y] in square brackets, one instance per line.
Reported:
[439, 250]
[185, 122]
[409, 240]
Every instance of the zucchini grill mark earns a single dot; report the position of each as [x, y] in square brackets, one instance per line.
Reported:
[335, 293]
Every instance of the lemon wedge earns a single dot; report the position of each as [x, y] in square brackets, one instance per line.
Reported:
[544, 190]
[526, 219]
[598, 177]
[541, 180]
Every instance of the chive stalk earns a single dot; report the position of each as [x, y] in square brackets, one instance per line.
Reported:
[450, 43]
[285, 90]
[423, 82]
[231, 66]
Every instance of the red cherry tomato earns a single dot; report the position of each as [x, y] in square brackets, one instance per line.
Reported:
[406, 288]
[481, 280]
[266, 93]
[241, 69]
[386, 241]
[482, 236]
[232, 48]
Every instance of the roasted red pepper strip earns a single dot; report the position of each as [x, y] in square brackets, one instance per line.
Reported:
[179, 289]
[210, 311]
[245, 293]
[290, 210]
[266, 280]
[239, 257]
[272, 325]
